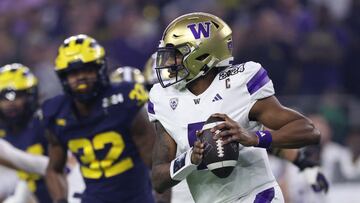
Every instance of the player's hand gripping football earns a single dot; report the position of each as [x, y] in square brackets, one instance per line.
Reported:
[231, 131]
[198, 150]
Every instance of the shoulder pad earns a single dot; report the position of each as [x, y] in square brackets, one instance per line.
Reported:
[51, 106]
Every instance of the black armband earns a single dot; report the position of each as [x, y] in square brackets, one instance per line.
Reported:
[302, 161]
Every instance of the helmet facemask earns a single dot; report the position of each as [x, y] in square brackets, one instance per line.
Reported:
[169, 65]
[19, 117]
[100, 82]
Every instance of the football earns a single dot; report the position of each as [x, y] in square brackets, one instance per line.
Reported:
[219, 159]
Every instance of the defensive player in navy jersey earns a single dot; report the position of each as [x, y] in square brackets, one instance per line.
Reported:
[19, 123]
[105, 126]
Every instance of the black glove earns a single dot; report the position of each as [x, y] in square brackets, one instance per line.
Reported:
[302, 161]
[312, 172]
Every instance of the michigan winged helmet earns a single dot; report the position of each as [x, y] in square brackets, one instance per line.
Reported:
[127, 74]
[192, 45]
[77, 53]
[17, 81]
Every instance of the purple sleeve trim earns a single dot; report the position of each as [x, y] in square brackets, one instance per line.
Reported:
[258, 81]
[151, 107]
[265, 196]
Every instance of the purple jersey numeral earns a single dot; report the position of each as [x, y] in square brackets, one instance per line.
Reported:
[192, 128]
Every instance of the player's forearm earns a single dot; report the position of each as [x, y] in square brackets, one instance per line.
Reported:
[145, 145]
[296, 134]
[20, 160]
[57, 185]
[143, 133]
[30, 163]
[161, 179]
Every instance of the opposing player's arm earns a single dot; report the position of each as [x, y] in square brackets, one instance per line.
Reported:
[55, 177]
[20, 160]
[164, 152]
[143, 133]
[310, 168]
[291, 129]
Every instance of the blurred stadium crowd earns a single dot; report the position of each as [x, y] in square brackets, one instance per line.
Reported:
[311, 49]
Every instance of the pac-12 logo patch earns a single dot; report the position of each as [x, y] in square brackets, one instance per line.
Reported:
[174, 103]
[198, 29]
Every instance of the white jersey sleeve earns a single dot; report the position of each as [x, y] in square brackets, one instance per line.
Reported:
[22, 160]
[258, 83]
[160, 108]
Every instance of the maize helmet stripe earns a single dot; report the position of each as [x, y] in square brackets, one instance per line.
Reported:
[78, 48]
[16, 77]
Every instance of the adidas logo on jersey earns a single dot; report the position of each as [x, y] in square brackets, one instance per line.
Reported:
[217, 98]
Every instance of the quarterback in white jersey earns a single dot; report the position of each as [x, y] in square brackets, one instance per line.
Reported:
[196, 52]
[182, 114]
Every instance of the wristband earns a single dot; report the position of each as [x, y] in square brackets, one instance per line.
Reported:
[265, 138]
[181, 166]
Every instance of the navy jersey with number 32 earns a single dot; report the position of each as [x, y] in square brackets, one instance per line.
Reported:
[110, 163]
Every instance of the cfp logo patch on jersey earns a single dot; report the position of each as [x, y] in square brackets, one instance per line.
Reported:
[174, 103]
[112, 100]
[232, 71]
[198, 29]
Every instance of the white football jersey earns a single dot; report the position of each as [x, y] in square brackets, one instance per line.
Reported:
[234, 91]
